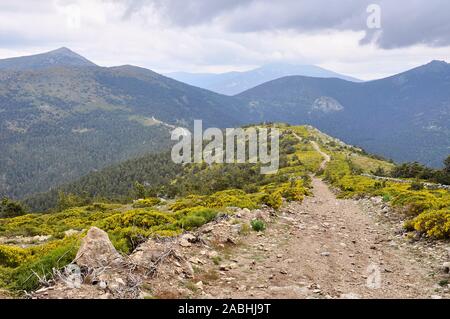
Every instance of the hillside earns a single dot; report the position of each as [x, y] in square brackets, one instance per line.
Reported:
[215, 222]
[115, 183]
[232, 83]
[60, 119]
[404, 117]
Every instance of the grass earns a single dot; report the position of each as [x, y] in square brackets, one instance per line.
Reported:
[369, 165]
[216, 260]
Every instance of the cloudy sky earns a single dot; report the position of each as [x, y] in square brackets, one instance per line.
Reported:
[225, 35]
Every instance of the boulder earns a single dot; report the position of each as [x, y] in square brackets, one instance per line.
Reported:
[97, 251]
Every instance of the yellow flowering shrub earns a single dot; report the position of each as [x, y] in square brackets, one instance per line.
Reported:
[435, 223]
[146, 202]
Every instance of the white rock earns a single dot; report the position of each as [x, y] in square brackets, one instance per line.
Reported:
[199, 285]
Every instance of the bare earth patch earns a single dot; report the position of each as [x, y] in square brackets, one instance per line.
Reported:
[325, 248]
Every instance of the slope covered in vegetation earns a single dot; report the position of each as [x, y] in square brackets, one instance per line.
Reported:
[190, 196]
[137, 202]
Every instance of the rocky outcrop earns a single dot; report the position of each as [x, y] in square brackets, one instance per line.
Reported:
[97, 251]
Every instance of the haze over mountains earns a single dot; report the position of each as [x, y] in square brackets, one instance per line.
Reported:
[232, 83]
[62, 116]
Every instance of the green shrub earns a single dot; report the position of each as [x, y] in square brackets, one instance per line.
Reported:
[416, 186]
[196, 217]
[258, 225]
[9, 208]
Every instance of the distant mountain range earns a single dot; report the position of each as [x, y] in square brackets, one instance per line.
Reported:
[62, 116]
[405, 117]
[232, 83]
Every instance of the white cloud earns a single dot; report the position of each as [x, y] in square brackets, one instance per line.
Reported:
[194, 35]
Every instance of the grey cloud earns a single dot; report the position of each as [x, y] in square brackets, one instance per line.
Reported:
[404, 23]
[186, 12]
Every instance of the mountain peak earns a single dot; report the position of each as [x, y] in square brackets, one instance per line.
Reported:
[438, 62]
[437, 66]
[59, 57]
[63, 50]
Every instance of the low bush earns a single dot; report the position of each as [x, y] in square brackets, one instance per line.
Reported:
[147, 202]
[11, 256]
[416, 186]
[196, 217]
[230, 198]
[187, 202]
[258, 225]
[434, 223]
[273, 200]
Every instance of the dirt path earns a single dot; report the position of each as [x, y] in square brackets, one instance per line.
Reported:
[323, 248]
[326, 157]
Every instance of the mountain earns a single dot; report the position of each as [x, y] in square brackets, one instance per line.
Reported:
[405, 117]
[233, 83]
[59, 57]
[61, 117]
